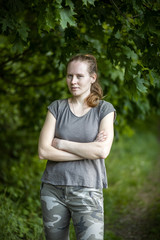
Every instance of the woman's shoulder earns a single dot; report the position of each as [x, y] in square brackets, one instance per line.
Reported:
[105, 104]
[105, 108]
[55, 106]
[58, 102]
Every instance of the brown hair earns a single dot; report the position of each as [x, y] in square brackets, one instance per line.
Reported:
[96, 90]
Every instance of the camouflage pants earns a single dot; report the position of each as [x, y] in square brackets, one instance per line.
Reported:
[83, 205]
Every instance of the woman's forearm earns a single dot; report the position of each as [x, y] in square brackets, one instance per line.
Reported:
[91, 150]
[100, 148]
[53, 154]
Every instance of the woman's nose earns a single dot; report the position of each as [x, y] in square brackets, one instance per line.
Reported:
[74, 80]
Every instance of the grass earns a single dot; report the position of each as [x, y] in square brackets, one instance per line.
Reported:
[132, 160]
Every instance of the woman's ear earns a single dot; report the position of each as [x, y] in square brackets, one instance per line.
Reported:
[93, 77]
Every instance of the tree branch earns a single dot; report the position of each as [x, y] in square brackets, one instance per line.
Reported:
[124, 15]
[16, 57]
[30, 84]
[118, 8]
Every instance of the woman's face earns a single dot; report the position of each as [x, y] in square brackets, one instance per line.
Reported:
[78, 79]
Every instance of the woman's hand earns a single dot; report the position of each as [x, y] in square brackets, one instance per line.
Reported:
[56, 143]
[101, 137]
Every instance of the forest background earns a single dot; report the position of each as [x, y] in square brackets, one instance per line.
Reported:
[36, 40]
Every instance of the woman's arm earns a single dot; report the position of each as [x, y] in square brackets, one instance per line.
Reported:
[92, 150]
[45, 148]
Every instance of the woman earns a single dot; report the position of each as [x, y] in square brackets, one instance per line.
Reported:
[76, 137]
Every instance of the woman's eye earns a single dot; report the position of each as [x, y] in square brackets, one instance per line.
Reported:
[79, 76]
[69, 76]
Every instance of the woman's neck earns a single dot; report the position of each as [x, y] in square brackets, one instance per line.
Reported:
[80, 100]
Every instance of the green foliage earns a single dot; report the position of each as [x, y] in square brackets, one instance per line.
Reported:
[17, 222]
[131, 169]
[124, 36]
[20, 212]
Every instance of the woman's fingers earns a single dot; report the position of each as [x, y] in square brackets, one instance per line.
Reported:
[101, 137]
[55, 142]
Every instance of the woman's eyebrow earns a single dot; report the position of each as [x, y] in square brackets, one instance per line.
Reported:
[80, 74]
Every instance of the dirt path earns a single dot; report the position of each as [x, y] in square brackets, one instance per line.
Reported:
[143, 220]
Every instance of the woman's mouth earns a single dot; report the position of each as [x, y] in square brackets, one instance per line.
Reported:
[74, 88]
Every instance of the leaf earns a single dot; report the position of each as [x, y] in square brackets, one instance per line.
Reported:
[140, 85]
[70, 4]
[118, 35]
[130, 53]
[66, 16]
[59, 2]
[23, 31]
[18, 46]
[151, 78]
[154, 78]
[50, 18]
[85, 2]
[6, 23]
[139, 62]
[117, 73]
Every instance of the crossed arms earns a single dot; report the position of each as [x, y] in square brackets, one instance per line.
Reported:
[55, 149]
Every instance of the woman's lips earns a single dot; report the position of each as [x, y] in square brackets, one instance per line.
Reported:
[74, 88]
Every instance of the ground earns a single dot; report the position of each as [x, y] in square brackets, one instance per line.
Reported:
[142, 222]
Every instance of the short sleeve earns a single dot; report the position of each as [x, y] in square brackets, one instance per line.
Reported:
[53, 108]
[106, 108]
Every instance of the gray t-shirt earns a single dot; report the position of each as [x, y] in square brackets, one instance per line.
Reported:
[86, 172]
